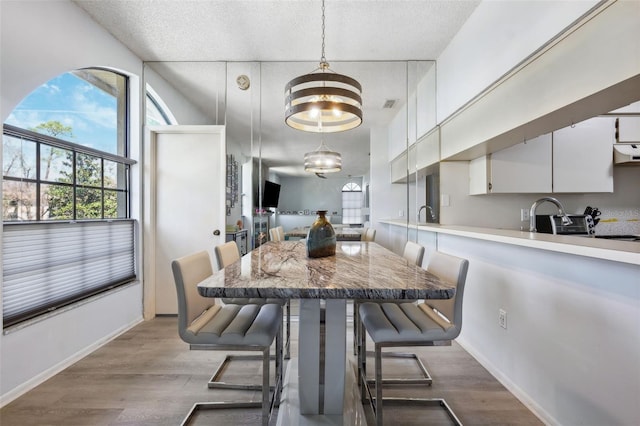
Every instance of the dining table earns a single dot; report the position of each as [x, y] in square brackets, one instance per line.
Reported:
[358, 270]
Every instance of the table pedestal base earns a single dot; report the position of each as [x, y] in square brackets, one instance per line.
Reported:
[322, 353]
[289, 411]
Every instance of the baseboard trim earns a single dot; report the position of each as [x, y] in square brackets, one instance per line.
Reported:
[521, 395]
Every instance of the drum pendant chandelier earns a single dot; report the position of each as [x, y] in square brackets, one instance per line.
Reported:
[323, 101]
[322, 160]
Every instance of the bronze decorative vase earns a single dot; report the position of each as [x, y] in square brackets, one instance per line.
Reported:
[321, 238]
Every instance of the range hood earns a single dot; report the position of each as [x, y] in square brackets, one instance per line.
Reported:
[626, 153]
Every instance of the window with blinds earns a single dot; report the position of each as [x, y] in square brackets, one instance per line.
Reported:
[67, 228]
[352, 204]
[47, 266]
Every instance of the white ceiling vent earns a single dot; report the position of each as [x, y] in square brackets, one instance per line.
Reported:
[389, 103]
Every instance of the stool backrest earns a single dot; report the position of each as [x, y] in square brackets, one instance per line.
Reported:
[414, 253]
[277, 233]
[188, 271]
[453, 270]
[369, 234]
[227, 253]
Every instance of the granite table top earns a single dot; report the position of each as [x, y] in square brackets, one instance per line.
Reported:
[359, 270]
[344, 234]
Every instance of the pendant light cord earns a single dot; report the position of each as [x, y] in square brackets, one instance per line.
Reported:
[323, 60]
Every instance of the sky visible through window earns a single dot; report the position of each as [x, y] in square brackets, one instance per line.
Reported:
[90, 112]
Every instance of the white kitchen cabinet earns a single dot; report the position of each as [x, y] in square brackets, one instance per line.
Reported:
[399, 168]
[628, 129]
[421, 155]
[583, 156]
[522, 168]
[428, 149]
[575, 159]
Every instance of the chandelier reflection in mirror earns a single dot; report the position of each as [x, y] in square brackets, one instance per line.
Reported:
[323, 101]
[322, 160]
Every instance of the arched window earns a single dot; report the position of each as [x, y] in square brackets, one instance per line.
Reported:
[67, 232]
[65, 154]
[352, 204]
[157, 112]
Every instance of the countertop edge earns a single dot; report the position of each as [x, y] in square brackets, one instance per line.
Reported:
[616, 251]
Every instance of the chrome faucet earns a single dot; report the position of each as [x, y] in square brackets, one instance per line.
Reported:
[431, 214]
[532, 212]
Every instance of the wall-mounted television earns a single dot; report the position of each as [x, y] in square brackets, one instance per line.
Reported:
[271, 194]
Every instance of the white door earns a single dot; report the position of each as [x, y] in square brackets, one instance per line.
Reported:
[187, 203]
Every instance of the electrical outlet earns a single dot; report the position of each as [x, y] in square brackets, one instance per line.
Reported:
[401, 213]
[502, 318]
[524, 214]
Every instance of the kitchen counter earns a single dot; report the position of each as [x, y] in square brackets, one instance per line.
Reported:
[617, 251]
[572, 305]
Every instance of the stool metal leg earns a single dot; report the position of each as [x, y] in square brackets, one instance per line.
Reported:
[431, 402]
[362, 371]
[215, 382]
[266, 408]
[379, 401]
[425, 379]
[265, 404]
[287, 353]
[216, 405]
[377, 404]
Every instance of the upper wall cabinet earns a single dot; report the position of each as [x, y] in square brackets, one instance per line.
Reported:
[574, 159]
[525, 167]
[422, 154]
[628, 129]
[583, 156]
[399, 168]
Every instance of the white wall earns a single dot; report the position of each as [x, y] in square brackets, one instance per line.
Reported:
[387, 200]
[183, 111]
[496, 37]
[40, 40]
[572, 343]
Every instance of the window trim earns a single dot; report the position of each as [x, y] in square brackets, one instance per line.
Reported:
[19, 132]
[75, 150]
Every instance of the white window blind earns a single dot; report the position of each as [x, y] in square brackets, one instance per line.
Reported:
[49, 265]
[351, 208]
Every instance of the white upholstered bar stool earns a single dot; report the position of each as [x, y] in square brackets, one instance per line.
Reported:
[414, 254]
[226, 254]
[203, 322]
[408, 324]
[277, 233]
[369, 234]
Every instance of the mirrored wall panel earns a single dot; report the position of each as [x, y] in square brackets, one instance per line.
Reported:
[382, 174]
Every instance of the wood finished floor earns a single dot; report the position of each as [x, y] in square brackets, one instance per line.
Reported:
[148, 376]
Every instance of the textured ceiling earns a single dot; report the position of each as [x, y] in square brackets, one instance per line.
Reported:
[290, 31]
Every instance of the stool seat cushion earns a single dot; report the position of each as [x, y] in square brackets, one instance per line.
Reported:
[404, 322]
[238, 325]
[253, 301]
